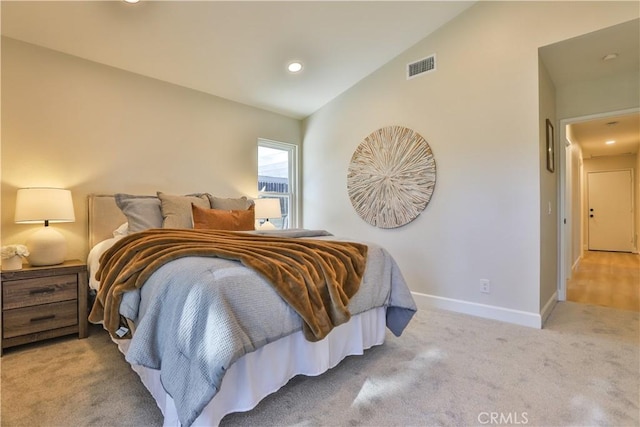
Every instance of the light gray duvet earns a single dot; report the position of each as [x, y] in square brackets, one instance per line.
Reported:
[195, 316]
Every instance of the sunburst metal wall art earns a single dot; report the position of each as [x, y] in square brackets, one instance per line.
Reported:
[391, 177]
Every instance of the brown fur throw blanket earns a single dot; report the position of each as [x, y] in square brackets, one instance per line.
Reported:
[316, 277]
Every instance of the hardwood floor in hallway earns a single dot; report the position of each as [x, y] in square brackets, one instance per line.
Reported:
[609, 279]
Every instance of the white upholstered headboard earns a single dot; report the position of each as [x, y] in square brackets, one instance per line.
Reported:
[104, 217]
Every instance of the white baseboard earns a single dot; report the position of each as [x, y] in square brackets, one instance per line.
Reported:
[523, 318]
[575, 264]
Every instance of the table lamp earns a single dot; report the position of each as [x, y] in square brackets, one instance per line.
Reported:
[47, 246]
[267, 209]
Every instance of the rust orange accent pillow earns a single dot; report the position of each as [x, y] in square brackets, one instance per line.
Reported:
[216, 219]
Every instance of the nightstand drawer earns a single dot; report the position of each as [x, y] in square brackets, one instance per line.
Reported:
[39, 318]
[30, 292]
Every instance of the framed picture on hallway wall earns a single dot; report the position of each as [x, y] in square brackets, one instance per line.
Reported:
[550, 147]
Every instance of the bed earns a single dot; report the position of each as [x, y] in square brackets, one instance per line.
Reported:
[268, 360]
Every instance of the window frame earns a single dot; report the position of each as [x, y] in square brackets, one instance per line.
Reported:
[293, 172]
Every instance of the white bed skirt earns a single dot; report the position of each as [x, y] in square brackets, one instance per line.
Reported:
[247, 381]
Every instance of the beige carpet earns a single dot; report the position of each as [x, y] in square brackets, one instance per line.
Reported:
[447, 369]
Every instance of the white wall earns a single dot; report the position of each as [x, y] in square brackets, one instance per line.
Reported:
[577, 205]
[479, 112]
[598, 96]
[548, 189]
[90, 128]
[573, 193]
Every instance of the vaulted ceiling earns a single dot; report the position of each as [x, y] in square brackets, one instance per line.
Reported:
[239, 50]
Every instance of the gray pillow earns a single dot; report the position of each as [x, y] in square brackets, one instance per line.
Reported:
[142, 212]
[237, 204]
[176, 210]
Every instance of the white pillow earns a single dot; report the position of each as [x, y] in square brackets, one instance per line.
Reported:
[93, 259]
[123, 230]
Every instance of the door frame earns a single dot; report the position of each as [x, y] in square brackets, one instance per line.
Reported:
[565, 219]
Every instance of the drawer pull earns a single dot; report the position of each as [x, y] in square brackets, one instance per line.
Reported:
[41, 318]
[42, 291]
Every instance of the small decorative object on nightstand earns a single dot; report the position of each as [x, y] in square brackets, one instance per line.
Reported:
[12, 256]
[44, 302]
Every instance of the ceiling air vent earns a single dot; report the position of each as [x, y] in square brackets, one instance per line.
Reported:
[422, 66]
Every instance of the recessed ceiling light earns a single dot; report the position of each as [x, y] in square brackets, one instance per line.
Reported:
[609, 56]
[610, 142]
[294, 67]
[131, 1]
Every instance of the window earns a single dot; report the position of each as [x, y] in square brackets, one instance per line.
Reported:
[278, 178]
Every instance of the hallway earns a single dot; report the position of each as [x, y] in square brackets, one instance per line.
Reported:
[609, 279]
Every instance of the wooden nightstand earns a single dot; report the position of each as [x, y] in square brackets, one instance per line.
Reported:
[44, 302]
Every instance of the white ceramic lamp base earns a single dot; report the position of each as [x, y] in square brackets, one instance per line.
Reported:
[267, 225]
[47, 246]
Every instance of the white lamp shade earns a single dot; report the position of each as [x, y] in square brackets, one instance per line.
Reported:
[267, 208]
[44, 204]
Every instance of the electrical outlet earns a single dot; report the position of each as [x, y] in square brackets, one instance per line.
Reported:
[485, 286]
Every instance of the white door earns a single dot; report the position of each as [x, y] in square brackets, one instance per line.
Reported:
[610, 211]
